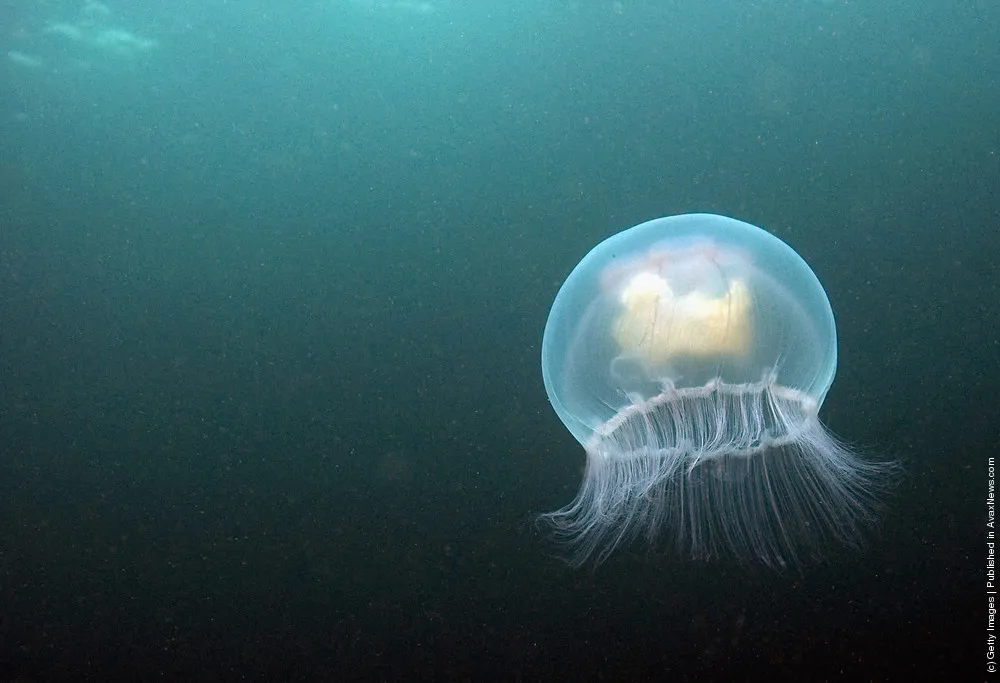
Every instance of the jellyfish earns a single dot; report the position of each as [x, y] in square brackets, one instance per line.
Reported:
[690, 356]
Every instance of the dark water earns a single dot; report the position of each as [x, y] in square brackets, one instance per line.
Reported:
[273, 285]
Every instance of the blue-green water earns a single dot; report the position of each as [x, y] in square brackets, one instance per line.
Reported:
[273, 278]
